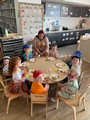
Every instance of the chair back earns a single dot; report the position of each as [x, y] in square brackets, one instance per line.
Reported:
[2, 82]
[6, 92]
[80, 79]
[83, 95]
[39, 98]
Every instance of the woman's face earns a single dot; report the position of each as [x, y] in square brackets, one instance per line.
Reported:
[41, 36]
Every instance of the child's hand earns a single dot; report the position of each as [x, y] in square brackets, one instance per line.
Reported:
[47, 86]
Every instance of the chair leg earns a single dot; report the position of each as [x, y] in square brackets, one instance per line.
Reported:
[84, 104]
[46, 109]
[3, 95]
[8, 104]
[57, 103]
[31, 109]
[74, 112]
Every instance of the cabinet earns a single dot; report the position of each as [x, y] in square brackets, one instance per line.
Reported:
[74, 11]
[85, 11]
[52, 9]
[64, 10]
[85, 47]
[65, 38]
[83, 32]
[54, 37]
[11, 46]
[8, 16]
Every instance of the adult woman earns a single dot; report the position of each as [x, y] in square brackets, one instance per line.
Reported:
[40, 44]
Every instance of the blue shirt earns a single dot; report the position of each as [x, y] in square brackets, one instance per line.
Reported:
[29, 56]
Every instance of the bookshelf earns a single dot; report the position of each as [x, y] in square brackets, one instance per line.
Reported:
[8, 16]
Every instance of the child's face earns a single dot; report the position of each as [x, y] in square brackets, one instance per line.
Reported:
[6, 62]
[18, 64]
[54, 48]
[39, 78]
[71, 76]
[27, 50]
[75, 61]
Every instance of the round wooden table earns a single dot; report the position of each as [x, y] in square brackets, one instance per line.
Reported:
[49, 68]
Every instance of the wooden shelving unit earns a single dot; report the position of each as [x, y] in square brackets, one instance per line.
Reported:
[7, 16]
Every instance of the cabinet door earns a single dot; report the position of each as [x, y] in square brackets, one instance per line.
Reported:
[54, 37]
[64, 10]
[77, 35]
[65, 38]
[71, 11]
[77, 11]
[83, 32]
[52, 6]
[85, 12]
[52, 13]
[52, 9]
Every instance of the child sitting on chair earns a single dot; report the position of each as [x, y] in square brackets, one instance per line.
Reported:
[6, 73]
[19, 83]
[68, 58]
[69, 89]
[37, 87]
[53, 52]
[75, 64]
[27, 52]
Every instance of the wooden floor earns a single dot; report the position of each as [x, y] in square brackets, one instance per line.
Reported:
[19, 110]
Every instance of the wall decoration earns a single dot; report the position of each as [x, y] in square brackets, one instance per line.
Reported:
[31, 20]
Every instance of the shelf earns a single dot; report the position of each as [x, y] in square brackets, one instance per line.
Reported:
[7, 8]
[7, 16]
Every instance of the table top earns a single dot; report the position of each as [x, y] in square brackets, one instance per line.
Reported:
[51, 68]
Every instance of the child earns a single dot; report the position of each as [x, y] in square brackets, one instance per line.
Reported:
[37, 87]
[53, 52]
[69, 89]
[6, 60]
[68, 58]
[27, 52]
[18, 85]
[75, 64]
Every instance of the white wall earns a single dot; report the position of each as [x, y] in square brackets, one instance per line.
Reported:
[31, 1]
[83, 2]
[69, 22]
[79, 1]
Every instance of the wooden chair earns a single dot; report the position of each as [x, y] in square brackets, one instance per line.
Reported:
[9, 95]
[38, 99]
[74, 102]
[80, 79]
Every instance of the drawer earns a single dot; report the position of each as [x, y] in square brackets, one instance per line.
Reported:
[12, 47]
[12, 41]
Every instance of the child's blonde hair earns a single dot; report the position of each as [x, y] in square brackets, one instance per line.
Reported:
[13, 62]
[74, 72]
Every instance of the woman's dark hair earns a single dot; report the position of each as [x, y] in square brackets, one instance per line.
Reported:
[40, 32]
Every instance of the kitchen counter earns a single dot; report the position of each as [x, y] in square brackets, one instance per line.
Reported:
[70, 30]
[66, 37]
